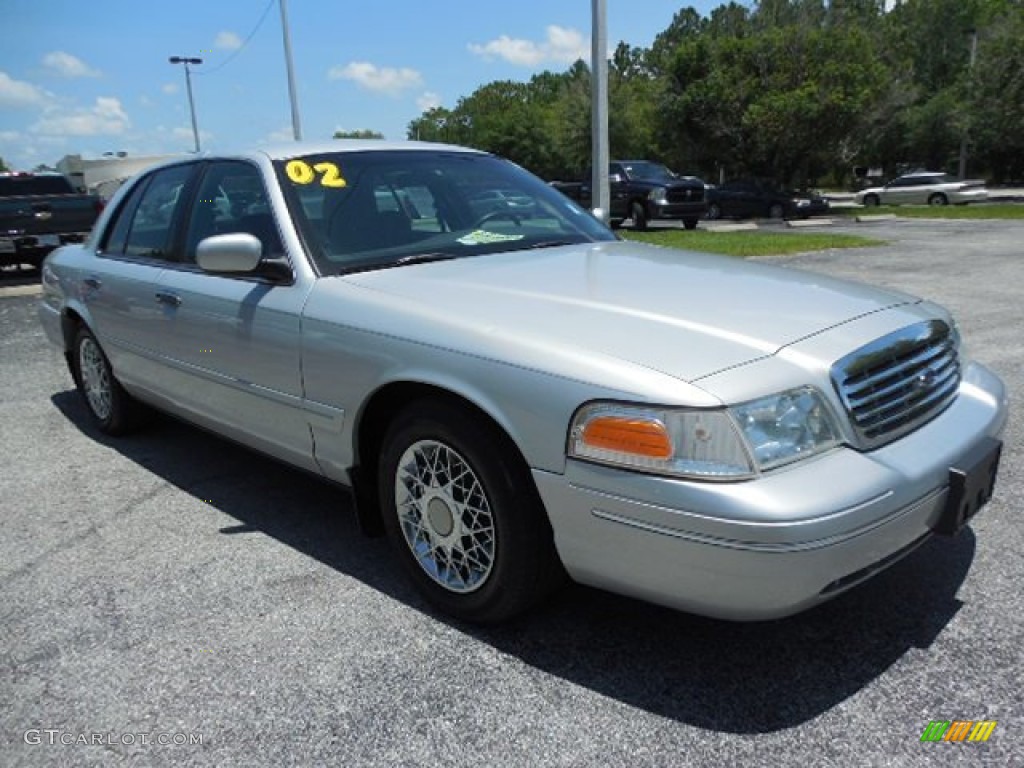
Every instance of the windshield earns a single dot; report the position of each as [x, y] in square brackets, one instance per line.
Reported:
[649, 171]
[381, 208]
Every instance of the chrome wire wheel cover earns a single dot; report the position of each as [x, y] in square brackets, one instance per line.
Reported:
[95, 378]
[445, 516]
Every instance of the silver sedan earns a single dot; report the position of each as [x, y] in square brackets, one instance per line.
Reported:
[513, 394]
[924, 188]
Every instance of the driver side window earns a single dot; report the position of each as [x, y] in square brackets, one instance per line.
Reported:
[231, 198]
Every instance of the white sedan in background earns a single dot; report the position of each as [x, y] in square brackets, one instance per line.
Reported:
[924, 189]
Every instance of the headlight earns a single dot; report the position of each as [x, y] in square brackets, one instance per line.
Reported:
[788, 426]
[685, 443]
[731, 444]
[658, 195]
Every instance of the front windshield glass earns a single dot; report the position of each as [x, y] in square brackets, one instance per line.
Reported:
[382, 208]
[649, 171]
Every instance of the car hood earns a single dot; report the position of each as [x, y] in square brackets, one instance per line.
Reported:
[681, 313]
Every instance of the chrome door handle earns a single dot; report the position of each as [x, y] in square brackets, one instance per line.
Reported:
[163, 297]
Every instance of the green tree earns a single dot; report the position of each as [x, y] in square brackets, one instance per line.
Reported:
[3, 165]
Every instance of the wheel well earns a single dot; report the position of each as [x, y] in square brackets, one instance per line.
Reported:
[370, 427]
[70, 322]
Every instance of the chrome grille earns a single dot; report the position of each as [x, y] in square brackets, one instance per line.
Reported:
[685, 194]
[900, 381]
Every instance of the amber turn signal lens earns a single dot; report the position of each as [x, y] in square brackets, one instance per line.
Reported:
[639, 437]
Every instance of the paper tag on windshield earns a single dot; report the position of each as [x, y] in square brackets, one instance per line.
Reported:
[483, 237]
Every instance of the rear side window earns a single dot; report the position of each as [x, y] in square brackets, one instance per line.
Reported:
[146, 222]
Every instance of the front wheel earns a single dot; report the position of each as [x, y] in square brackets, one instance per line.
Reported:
[461, 510]
[690, 223]
[871, 201]
[938, 199]
[113, 410]
[639, 214]
[776, 211]
[714, 211]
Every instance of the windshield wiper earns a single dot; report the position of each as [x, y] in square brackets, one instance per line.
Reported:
[552, 243]
[420, 258]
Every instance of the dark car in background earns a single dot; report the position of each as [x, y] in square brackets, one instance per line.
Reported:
[39, 212]
[643, 191]
[760, 198]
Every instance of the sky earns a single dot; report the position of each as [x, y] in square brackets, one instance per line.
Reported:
[93, 77]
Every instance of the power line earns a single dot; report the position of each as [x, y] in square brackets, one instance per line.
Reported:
[245, 42]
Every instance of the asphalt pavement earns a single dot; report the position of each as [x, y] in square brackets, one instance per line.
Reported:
[171, 587]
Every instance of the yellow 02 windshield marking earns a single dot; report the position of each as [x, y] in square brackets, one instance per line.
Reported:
[301, 172]
[331, 175]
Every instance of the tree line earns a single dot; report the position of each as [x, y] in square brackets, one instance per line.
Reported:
[803, 91]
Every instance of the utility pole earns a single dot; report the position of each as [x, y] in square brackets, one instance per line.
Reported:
[600, 192]
[292, 96]
[186, 60]
[962, 170]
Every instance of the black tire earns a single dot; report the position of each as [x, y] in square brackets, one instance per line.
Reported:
[485, 548]
[112, 409]
[776, 211]
[871, 201]
[937, 198]
[690, 223]
[615, 223]
[714, 211]
[639, 215]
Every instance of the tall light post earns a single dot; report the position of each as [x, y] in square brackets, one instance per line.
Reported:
[600, 192]
[962, 169]
[292, 94]
[186, 60]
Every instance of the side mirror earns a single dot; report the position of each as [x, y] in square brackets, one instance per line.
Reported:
[238, 252]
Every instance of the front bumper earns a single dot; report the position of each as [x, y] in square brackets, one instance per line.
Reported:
[688, 210]
[772, 546]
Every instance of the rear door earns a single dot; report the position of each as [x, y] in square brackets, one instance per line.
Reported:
[120, 287]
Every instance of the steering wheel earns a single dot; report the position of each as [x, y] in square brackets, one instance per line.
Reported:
[500, 213]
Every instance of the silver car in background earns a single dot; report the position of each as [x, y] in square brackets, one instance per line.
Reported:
[924, 188]
[513, 394]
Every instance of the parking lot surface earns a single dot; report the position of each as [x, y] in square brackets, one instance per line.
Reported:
[171, 587]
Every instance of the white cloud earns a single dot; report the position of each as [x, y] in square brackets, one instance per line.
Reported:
[18, 93]
[562, 46]
[185, 132]
[227, 41]
[105, 118]
[373, 78]
[66, 65]
[281, 134]
[428, 100]
[170, 88]
[9, 135]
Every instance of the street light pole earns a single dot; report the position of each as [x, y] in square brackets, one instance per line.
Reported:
[600, 192]
[962, 169]
[292, 95]
[188, 86]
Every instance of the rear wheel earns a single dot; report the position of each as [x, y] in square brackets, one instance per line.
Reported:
[639, 215]
[112, 409]
[461, 510]
[776, 211]
[690, 223]
[938, 199]
[714, 211]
